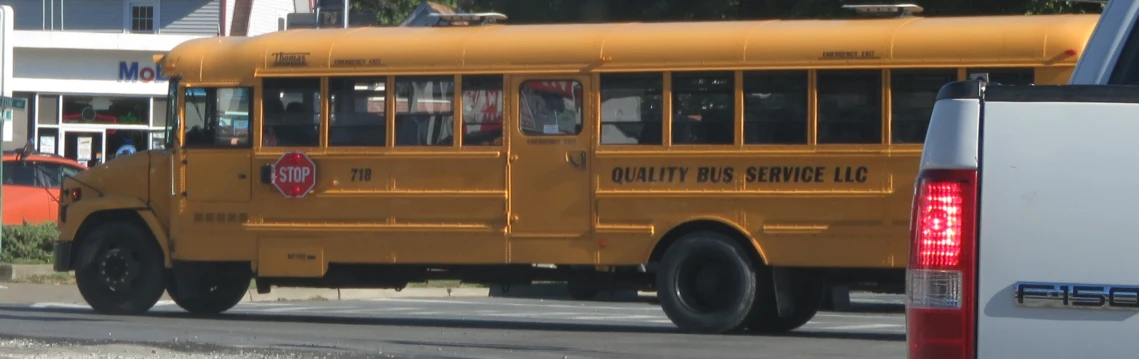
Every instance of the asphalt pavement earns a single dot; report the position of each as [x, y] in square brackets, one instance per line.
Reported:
[465, 328]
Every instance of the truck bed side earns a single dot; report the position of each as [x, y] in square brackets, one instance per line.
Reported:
[1058, 212]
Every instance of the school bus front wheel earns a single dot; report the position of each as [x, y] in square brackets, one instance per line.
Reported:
[120, 269]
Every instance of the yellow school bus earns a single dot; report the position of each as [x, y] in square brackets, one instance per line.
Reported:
[736, 167]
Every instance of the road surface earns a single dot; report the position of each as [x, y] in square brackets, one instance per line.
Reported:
[458, 328]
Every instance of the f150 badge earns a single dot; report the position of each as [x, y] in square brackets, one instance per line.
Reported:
[1076, 296]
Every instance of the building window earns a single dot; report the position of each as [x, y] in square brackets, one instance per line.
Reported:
[106, 110]
[142, 18]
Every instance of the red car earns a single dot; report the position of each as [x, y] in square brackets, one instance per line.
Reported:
[31, 186]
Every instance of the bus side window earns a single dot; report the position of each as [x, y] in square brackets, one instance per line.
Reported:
[775, 107]
[550, 107]
[631, 108]
[423, 114]
[482, 110]
[290, 112]
[912, 94]
[217, 118]
[850, 106]
[703, 108]
[358, 111]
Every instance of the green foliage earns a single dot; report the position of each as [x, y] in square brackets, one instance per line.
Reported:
[29, 243]
[1062, 7]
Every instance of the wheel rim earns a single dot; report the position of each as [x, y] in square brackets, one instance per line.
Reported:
[706, 285]
[119, 268]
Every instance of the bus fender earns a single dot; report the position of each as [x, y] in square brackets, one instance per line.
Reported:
[87, 213]
[708, 222]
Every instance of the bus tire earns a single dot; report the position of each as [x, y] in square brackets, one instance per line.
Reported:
[707, 283]
[120, 269]
[582, 289]
[209, 288]
[808, 299]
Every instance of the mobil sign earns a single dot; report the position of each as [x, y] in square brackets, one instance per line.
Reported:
[131, 71]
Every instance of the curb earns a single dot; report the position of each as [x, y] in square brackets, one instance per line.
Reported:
[14, 272]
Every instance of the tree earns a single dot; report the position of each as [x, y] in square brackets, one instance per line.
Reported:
[392, 12]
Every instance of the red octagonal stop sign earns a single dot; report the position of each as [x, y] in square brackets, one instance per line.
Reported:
[294, 174]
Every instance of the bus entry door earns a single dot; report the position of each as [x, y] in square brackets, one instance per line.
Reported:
[550, 211]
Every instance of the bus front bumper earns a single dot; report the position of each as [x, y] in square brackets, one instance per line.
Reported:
[62, 256]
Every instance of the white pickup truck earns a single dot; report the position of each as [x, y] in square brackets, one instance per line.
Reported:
[1025, 228]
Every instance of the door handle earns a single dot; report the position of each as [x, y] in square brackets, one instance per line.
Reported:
[576, 158]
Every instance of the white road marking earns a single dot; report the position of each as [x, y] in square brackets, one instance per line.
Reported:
[867, 316]
[419, 313]
[653, 308]
[264, 304]
[614, 317]
[288, 309]
[862, 326]
[60, 305]
[365, 310]
[164, 303]
[527, 314]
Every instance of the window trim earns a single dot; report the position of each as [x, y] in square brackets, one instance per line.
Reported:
[128, 17]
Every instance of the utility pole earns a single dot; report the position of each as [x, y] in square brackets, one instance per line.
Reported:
[7, 103]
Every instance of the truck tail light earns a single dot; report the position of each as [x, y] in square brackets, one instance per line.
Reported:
[941, 276]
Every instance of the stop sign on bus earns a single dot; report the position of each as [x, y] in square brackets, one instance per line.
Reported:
[294, 174]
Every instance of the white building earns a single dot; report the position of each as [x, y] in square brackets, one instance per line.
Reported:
[86, 66]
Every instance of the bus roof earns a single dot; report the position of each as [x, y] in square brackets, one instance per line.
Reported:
[979, 41]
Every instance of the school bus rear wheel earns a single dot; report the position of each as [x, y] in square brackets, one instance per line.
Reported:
[707, 283]
[205, 288]
[119, 269]
[582, 289]
[807, 292]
